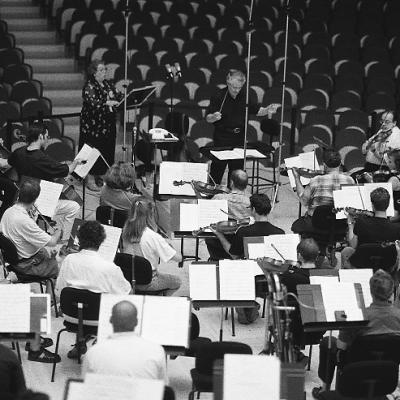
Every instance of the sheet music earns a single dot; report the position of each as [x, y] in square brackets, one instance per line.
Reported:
[188, 217]
[203, 282]
[109, 247]
[323, 279]
[106, 304]
[48, 197]
[255, 250]
[340, 200]
[112, 387]
[250, 153]
[90, 154]
[361, 276]
[181, 171]
[251, 377]
[225, 154]
[303, 160]
[15, 308]
[236, 281]
[210, 211]
[284, 244]
[341, 297]
[166, 320]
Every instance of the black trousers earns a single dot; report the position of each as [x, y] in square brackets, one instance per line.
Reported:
[326, 368]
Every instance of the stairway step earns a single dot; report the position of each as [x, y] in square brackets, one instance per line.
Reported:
[19, 12]
[40, 51]
[64, 98]
[60, 81]
[16, 3]
[27, 24]
[50, 65]
[28, 37]
[68, 110]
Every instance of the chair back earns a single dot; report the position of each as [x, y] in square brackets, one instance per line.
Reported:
[110, 216]
[134, 268]
[69, 299]
[169, 393]
[8, 250]
[375, 256]
[210, 352]
[177, 123]
[368, 379]
[8, 194]
[375, 347]
[194, 327]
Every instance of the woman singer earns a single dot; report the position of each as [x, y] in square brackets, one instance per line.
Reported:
[140, 238]
[97, 122]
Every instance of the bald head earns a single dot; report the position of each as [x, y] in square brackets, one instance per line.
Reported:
[124, 317]
[239, 179]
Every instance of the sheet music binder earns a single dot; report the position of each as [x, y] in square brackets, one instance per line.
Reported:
[38, 308]
[314, 318]
[105, 326]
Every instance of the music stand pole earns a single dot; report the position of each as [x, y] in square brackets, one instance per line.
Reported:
[246, 115]
[124, 148]
[278, 183]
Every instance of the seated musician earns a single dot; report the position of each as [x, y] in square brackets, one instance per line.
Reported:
[365, 229]
[34, 259]
[393, 163]
[32, 161]
[88, 270]
[260, 206]
[125, 353]
[387, 138]
[307, 254]
[119, 191]
[140, 238]
[238, 208]
[320, 190]
[383, 317]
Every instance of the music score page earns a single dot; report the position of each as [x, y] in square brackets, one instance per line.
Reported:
[203, 281]
[48, 198]
[90, 155]
[109, 247]
[15, 309]
[361, 276]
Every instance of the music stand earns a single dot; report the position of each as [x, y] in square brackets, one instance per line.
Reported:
[136, 98]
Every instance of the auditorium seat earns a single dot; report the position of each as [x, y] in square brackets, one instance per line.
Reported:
[306, 137]
[345, 100]
[313, 98]
[23, 90]
[319, 116]
[318, 81]
[11, 56]
[35, 107]
[17, 72]
[9, 110]
[379, 102]
[349, 137]
[354, 119]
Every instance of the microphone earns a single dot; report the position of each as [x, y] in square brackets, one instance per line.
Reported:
[178, 70]
[170, 74]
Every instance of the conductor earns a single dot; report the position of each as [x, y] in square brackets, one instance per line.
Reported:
[227, 111]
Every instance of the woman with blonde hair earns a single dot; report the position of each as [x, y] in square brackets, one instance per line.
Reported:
[119, 191]
[140, 238]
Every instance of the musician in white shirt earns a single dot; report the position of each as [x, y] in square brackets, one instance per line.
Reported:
[386, 139]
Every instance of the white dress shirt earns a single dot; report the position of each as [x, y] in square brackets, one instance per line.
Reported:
[378, 149]
[89, 270]
[126, 354]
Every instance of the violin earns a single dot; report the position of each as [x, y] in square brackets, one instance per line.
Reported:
[229, 227]
[304, 172]
[269, 264]
[203, 188]
[354, 212]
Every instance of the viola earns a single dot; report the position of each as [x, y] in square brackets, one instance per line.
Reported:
[226, 227]
[203, 188]
[304, 172]
[354, 212]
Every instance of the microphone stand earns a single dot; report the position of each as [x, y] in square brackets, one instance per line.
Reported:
[286, 9]
[124, 147]
[246, 116]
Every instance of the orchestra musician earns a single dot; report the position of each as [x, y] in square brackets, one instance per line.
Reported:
[238, 208]
[97, 122]
[320, 190]
[383, 317]
[119, 191]
[366, 229]
[32, 161]
[33, 257]
[387, 138]
[227, 112]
